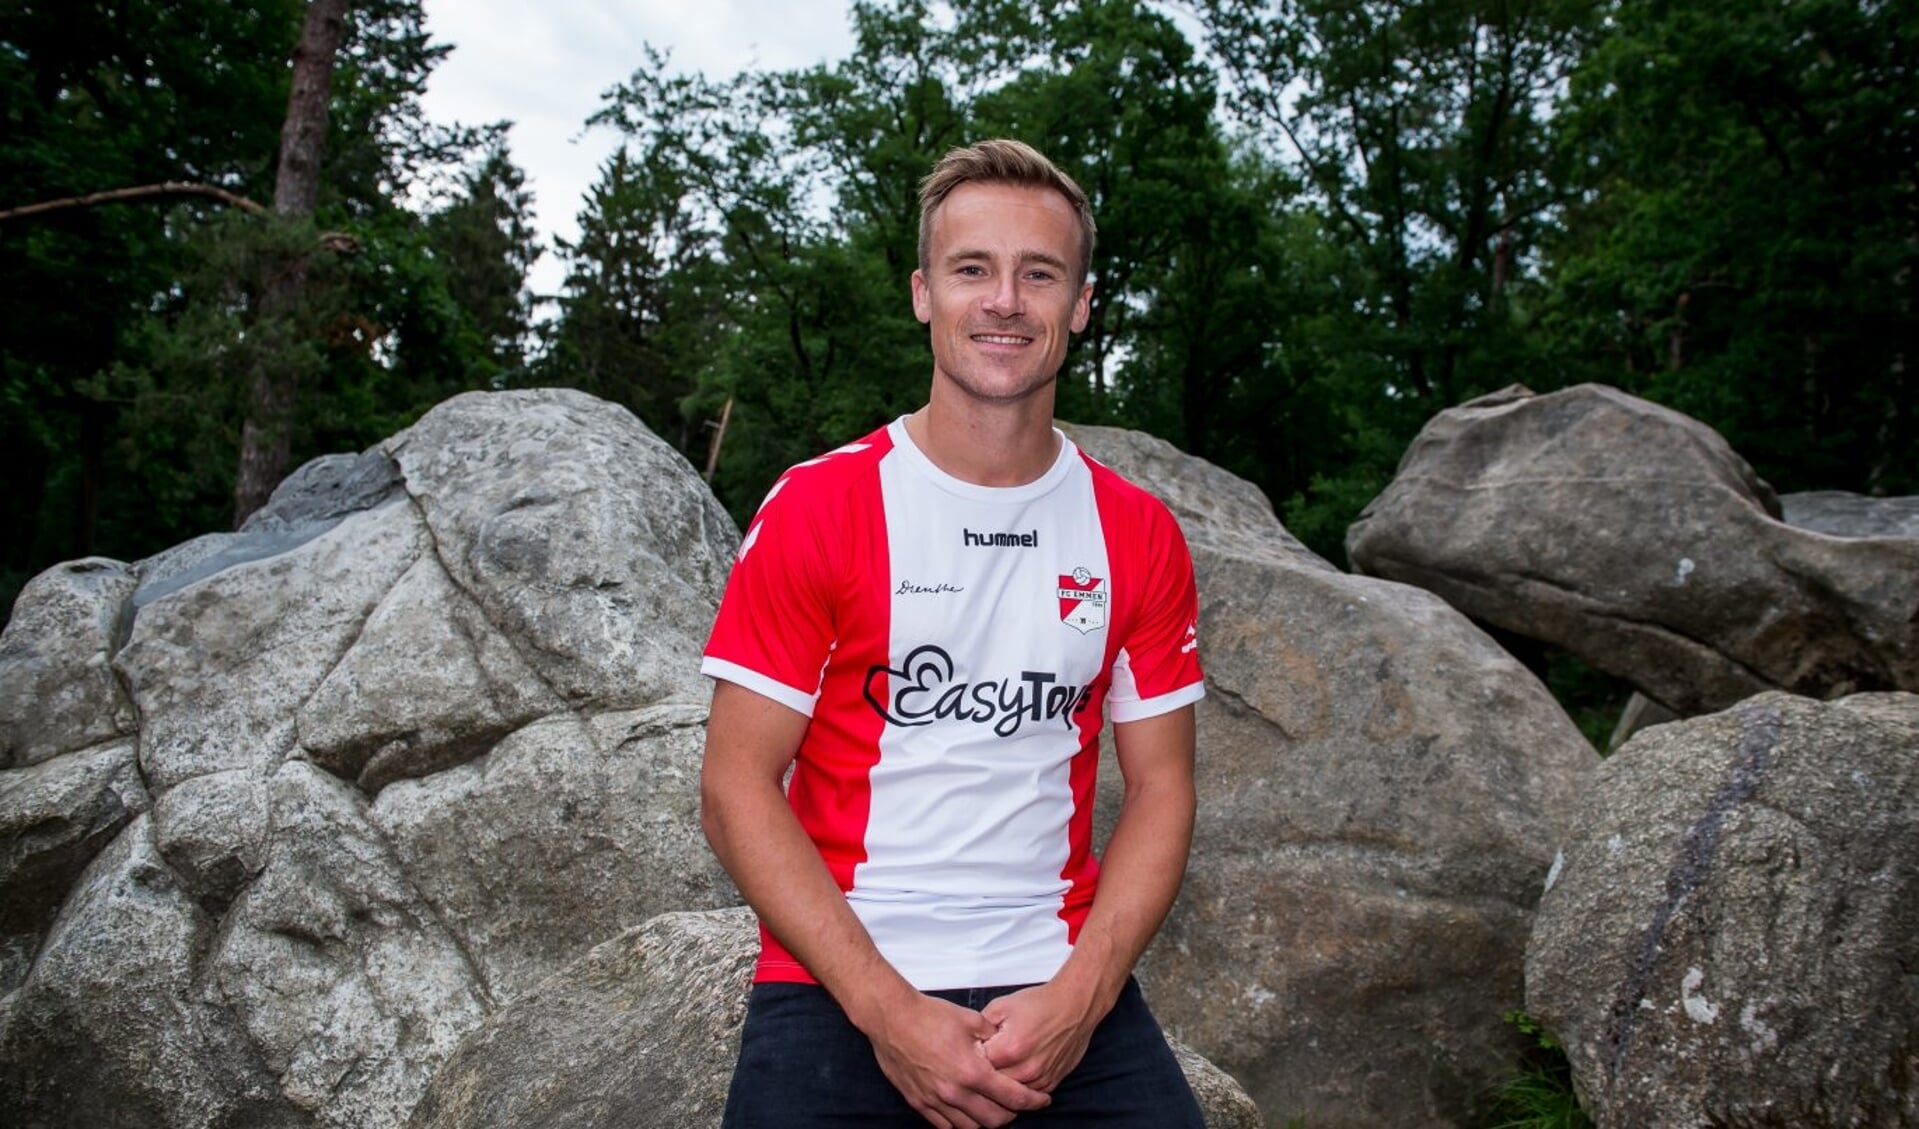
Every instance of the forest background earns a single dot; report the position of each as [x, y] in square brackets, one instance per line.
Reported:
[1320, 224]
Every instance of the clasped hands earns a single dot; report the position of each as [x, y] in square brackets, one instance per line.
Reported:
[965, 1069]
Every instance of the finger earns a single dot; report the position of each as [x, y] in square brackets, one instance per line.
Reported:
[980, 1026]
[1011, 1094]
[999, 1053]
[938, 1119]
[979, 1114]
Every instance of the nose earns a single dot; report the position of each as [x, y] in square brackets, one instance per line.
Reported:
[1005, 299]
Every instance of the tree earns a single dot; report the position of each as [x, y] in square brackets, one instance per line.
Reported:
[799, 191]
[100, 97]
[133, 326]
[265, 445]
[485, 244]
[1421, 134]
[635, 317]
[1744, 243]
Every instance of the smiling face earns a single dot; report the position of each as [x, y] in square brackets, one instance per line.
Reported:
[1000, 290]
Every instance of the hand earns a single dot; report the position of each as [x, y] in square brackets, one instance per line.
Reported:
[931, 1051]
[1041, 1034]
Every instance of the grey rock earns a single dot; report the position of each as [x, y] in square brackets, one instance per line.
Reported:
[325, 490]
[570, 829]
[1380, 788]
[423, 732]
[1223, 1102]
[219, 668]
[1640, 712]
[642, 1032]
[1230, 513]
[54, 818]
[581, 536]
[1731, 934]
[428, 684]
[1840, 514]
[116, 1028]
[214, 832]
[57, 688]
[311, 501]
[344, 982]
[1636, 539]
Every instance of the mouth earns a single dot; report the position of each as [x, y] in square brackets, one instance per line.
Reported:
[1001, 339]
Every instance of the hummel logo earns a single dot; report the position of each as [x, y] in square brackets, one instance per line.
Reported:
[1000, 540]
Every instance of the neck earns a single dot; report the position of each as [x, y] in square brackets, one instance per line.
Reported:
[986, 444]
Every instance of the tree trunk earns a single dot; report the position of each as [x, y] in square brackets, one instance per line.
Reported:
[265, 447]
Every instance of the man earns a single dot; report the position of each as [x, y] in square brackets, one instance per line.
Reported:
[925, 626]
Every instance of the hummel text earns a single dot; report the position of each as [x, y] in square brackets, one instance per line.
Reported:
[1000, 540]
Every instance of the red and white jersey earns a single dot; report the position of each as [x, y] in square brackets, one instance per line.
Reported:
[954, 646]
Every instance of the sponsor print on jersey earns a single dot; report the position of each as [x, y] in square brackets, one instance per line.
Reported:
[923, 691]
[1082, 601]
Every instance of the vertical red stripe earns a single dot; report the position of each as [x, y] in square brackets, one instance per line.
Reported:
[831, 788]
[1117, 531]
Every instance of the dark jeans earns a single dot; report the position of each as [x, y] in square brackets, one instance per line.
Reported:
[802, 1063]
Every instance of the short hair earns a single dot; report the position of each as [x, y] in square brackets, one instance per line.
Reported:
[1002, 161]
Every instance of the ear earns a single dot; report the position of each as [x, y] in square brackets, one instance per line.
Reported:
[922, 300]
[1082, 308]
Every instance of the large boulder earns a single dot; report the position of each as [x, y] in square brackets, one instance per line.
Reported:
[642, 1033]
[1636, 539]
[1731, 936]
[1380, 787]
[287, 812]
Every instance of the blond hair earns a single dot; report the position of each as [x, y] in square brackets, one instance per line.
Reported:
[1002, 161]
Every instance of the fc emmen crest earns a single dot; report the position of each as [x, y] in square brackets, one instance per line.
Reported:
[1082, 601]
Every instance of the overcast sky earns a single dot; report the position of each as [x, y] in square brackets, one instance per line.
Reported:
[543, 64]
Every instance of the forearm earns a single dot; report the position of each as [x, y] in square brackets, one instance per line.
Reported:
[781, 875]
[927, 1047]
[1140, 876]
[1044, 1031]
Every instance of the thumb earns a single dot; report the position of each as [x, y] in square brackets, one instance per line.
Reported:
[983, 1025]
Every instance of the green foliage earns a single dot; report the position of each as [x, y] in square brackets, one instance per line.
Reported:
[1421, 131]
[1540, 1094]
[638, 310]
[1390, 208]
[99, 97]
[1592, 698]
[128, 331]
[1742, 243]
[769, 227]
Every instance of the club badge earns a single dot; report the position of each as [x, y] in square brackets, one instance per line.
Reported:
[1082, 601]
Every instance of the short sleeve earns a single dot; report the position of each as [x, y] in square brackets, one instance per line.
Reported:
[1157, 667]
[775, 626]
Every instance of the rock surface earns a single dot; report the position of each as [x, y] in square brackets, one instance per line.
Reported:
[1379, 789]
[54, 818]
[1731, 935]
[309, 801]
[58, 692]
[642, 1033]
[427, 730]
[1636, 539]
[1840, 514]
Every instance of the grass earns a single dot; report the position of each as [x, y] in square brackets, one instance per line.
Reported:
[1539, 1095]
